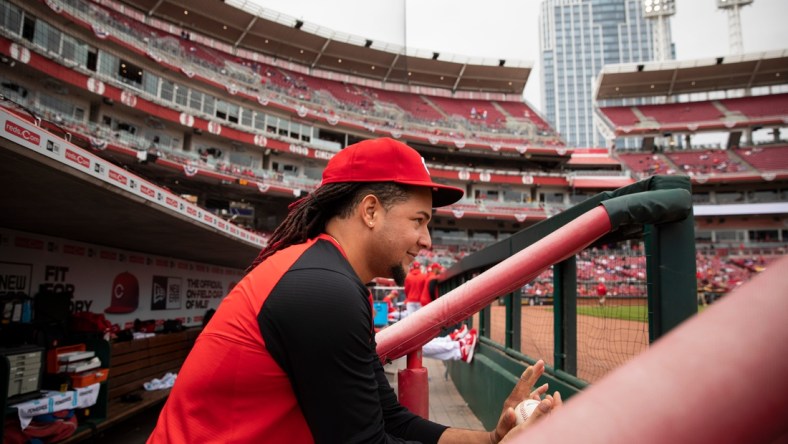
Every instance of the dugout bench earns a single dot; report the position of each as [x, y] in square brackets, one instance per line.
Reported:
[133, 363]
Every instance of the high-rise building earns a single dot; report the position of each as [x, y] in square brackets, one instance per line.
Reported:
[577, 38]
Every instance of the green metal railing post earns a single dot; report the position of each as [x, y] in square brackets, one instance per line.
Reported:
[485, 322]
[565, 315]
[670, 269]
[514, 309]
[672, 286]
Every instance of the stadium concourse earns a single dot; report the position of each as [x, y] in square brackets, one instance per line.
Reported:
[159, 156]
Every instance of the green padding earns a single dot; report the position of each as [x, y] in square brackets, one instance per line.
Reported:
[650, 207]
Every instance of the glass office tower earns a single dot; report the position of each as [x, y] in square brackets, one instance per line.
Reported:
[577, 38]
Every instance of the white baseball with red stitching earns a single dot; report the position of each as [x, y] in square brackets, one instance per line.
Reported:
[525, 409]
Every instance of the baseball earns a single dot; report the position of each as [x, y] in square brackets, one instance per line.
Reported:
[524, 409]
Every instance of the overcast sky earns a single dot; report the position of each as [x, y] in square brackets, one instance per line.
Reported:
[509, 29]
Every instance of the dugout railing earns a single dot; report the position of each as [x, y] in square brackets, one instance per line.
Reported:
[655, 212]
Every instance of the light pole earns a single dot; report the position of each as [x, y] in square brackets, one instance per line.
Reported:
[659, 11]
[734, 23]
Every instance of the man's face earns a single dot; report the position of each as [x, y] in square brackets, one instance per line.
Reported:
[401, 233]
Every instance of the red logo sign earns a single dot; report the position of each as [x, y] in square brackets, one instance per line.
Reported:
[25, 242]
[207, 218]
[147, 191]
[191, 211]
[114, 175]
[73, 249]
[22, 132]
[172, 202]
[77, 158]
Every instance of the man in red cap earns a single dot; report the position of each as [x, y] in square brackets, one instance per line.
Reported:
[289, 356]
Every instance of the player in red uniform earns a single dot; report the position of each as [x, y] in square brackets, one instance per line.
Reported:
[414, 284]
[601, 291]
[289, 356]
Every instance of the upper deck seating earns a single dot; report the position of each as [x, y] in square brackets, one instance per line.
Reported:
[689, 112]
[706, 162]
[647, 163]
[521, 110]
[410, 103]
[759, 106]
[620, 116]
[475, 111]
[766, 158]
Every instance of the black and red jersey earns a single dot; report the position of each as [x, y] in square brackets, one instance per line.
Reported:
[289, 357]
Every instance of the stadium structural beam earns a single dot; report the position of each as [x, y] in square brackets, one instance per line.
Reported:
[459, 77]
[391, 68]
[606, 130]
[246, 31]
[672, 82]
[154, 8]
[320, 53]
[752, 76]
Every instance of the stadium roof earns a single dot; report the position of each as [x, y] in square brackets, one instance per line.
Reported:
[51, 200]
[674, 77]
[243, 24]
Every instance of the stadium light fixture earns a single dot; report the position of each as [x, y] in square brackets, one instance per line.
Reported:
[659, 8]
[658, 11]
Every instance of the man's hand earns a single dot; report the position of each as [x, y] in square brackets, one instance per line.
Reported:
[522, 391]
[546, 407]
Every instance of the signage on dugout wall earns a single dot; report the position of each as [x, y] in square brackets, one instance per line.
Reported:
[124, 285]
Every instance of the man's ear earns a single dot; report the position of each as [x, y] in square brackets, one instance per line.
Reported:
[368, 209]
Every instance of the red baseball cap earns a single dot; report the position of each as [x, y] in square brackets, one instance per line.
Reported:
[125, 294]
[386, 160]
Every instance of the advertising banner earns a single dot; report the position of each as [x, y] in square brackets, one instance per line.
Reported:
[124, 285]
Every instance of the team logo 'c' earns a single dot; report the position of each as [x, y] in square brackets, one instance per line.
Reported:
[119, 291]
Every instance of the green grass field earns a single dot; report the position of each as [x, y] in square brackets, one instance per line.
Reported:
[627, 313]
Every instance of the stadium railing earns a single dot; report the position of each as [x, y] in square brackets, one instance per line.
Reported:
[657, 211]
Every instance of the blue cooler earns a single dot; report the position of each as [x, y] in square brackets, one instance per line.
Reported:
[381, 314]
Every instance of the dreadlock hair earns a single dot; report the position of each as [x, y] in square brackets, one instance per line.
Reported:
[308, 216]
